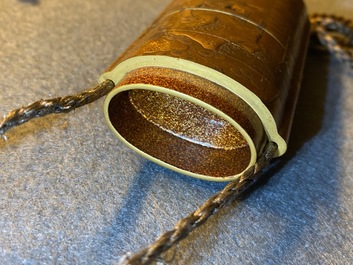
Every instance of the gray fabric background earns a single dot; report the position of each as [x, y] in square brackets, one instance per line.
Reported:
[70, 193]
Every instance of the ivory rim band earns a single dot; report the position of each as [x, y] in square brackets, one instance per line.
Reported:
[264, 115]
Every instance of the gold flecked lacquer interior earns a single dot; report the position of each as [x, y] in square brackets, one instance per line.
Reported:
[170, 117]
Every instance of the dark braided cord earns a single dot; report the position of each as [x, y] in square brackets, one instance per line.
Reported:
[56, 105]
[335, 34]
[186, 225]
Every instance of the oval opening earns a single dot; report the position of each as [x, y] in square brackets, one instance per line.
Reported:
[179, 133]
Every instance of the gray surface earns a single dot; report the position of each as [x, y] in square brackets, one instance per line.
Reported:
[70, 193]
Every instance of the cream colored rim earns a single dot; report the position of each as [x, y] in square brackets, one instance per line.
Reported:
[212, 75]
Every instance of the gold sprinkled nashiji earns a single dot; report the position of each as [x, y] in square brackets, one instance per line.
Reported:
[209, 83]
[186, 120]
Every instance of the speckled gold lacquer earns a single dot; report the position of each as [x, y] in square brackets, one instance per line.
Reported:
[209, 83]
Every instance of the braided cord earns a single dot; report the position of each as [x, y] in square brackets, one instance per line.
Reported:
[186, 225]
[335, 34]
[42, 107]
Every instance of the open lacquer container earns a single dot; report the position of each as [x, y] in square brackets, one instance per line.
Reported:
[209, 83]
